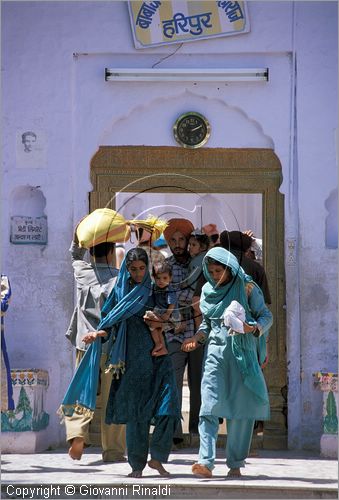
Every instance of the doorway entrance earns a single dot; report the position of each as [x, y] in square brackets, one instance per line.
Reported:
[172, 170]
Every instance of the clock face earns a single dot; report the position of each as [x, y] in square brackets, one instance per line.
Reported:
[191, 130]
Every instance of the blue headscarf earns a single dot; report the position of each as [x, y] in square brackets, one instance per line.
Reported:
[7, 402]
[215, 299]
[122, 303]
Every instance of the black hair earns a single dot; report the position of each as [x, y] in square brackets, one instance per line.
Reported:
[235, 240]
[202, 239]
[162, 267]
[26, 134]
[102, 250]
[136, 254]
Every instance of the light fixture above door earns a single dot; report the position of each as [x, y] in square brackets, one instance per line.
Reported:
[186, 74]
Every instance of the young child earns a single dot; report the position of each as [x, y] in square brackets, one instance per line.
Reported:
[198, 244]
[165, 306]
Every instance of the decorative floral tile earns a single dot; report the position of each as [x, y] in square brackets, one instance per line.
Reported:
[29, 377]
[326, 381]
[29, 415]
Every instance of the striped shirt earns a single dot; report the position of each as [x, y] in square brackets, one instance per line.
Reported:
[184, 298]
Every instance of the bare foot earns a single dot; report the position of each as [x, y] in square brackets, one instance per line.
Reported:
[155, 464]
[200, 470]
[77, 448]
[234, 473]
[135, 473]
[159, 351]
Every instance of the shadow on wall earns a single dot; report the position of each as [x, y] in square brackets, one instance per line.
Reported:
[28, 201]
[28, 220]
[331, 224]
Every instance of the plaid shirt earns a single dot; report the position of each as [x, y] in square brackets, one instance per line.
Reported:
[184, 298]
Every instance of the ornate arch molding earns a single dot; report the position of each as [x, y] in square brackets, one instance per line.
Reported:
[164, 106]
[207, 170]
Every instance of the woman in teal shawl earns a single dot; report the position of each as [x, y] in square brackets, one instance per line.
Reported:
[233, 385]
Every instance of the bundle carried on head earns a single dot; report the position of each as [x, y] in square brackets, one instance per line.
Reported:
[151, 225]
[106, 225]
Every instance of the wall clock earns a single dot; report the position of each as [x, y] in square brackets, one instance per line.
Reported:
[191, 130]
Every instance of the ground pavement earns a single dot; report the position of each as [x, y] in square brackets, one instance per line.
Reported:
[270, 474]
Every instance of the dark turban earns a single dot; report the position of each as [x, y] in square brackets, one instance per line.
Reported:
[235, 240]
[183, 225]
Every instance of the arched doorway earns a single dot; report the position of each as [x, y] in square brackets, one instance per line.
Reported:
[177, 170]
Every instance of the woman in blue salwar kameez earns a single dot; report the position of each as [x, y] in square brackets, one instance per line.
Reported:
[143, 390]
[233, 386]
[146, 393]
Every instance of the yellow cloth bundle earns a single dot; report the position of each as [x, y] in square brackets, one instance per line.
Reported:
[106, 225]
[100, 226]
[152, 225]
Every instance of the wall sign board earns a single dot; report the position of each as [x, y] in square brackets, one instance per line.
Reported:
[165, 22]
[28, 230]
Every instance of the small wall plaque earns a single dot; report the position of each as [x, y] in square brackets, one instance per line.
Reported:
[28, 230]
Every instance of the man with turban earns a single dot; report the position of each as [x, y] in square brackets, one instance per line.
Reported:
[177, 234]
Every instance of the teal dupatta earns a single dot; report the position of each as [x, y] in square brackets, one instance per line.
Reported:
[215, 299]
[121, 304]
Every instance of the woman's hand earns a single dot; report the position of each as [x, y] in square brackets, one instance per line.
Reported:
[92, 336]
[190, 344]
[249, 233]
[249, 328]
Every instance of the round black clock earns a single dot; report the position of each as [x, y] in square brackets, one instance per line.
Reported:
[192, 130]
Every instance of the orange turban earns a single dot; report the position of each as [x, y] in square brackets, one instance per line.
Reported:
[184, 226]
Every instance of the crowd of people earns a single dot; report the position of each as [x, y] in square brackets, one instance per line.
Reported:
[183, 298]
